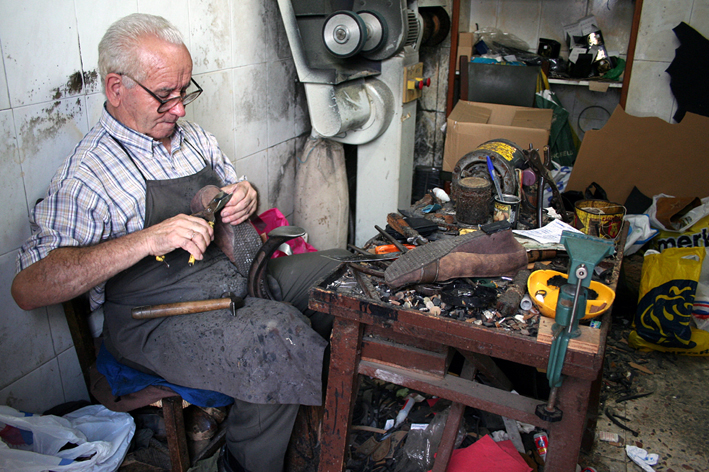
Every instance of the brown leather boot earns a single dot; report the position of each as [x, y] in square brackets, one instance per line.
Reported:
[471, 255]
[239, 242]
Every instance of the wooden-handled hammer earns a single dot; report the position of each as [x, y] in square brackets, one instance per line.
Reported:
[228, 300]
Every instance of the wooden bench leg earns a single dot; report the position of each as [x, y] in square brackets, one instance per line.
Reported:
[175, 430]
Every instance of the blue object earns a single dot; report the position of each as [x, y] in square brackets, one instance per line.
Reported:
[491, 170]
[124, 380]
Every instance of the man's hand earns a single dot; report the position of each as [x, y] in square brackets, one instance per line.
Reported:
[242, 204]
[190, 233]
[67, 272]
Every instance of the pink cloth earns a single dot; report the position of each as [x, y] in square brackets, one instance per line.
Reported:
[273, 218]
[485, 455]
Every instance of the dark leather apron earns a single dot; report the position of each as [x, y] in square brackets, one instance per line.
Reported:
[266, 354]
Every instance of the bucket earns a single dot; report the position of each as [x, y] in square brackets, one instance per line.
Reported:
[599, 218]
[474, 197]
[506, 208]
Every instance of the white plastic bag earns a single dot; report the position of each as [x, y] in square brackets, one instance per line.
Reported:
[33, 443]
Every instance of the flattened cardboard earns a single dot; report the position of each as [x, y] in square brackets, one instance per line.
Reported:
[647, 152]
[472, 123]
[465, 47]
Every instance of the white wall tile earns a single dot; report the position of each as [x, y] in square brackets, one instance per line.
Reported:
[556, 14]
[483, 14]
[656, 41]
[94, 108]
[649, 93]
[700, 17]
[73, 383]
[25, 334]
[281, 176]
[281, 110]
[4, 93]
[256, 168]
[251, 91]
[37, 392]
[13, 214]
[250, 48]
[39, 69]
[276, 41]
[46, 135]
[521, 18]
[92, 24]
[614, 18]
[210, 35]
[214, 109]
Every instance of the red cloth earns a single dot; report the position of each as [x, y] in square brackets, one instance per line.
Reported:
[485, 455]
[273, 218]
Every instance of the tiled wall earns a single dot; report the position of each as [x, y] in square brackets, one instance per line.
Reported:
[50, 96]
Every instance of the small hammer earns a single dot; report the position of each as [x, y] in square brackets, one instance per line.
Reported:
[228, 300]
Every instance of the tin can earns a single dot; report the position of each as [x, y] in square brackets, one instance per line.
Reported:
[506, 208]
[541, 440]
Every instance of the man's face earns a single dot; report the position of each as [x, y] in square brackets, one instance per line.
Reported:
[167, 71]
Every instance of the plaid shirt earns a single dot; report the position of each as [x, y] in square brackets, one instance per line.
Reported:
[99, 194]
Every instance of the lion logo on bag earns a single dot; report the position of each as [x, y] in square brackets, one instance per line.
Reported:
[664, 314]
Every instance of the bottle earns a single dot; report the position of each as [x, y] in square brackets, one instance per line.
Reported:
[404, 411]
[541, 440]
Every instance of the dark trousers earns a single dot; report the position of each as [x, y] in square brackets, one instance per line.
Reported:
[258, 434]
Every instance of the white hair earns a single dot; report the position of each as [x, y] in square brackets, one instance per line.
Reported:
[118, 49]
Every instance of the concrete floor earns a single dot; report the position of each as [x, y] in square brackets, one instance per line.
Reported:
[671, 421]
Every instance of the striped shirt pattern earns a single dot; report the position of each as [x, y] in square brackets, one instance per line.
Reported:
[99, 194]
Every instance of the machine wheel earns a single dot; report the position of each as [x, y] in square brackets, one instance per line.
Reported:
[344, 33]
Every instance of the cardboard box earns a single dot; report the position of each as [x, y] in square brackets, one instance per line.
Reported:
[472, 123]
[466, 41]
[646, 152]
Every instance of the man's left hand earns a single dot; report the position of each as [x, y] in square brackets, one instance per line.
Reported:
[242, 204]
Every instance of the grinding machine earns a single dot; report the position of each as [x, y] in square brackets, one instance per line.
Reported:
[359, 63]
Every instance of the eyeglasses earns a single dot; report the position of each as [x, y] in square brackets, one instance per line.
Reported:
[165, 105]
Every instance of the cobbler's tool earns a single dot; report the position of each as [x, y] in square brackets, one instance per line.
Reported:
[256, 284]
[399, 224]
[228, 300]
[210, 211]
[585, 252]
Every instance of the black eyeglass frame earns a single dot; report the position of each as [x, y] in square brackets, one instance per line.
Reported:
[165, 105]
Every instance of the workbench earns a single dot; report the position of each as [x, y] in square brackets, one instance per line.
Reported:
[410, 348]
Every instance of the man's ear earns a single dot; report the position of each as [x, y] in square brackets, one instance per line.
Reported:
[114, 89]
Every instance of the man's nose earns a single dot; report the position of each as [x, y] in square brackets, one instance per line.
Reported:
[178, 109]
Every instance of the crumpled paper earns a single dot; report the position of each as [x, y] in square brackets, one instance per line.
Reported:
[642, 458]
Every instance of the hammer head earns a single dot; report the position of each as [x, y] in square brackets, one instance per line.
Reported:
[236, 302]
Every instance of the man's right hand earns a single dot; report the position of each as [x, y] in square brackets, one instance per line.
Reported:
[190, 233]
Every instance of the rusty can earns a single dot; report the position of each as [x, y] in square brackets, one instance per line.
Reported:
[473, 200]
[599, 218]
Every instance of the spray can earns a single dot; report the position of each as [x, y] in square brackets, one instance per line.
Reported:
[542, 442]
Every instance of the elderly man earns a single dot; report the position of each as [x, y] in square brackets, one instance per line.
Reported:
[121, 199]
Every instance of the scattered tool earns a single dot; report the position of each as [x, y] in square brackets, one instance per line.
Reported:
[256, 283]
[228, 300]
[399, 224]
[611, 414]
[392, 239]
[210, 211]
[535, 162]
[491, 170]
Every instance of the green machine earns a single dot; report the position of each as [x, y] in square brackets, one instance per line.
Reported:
[585, 252]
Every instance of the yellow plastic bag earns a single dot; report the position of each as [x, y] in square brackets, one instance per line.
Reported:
[667, 288]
